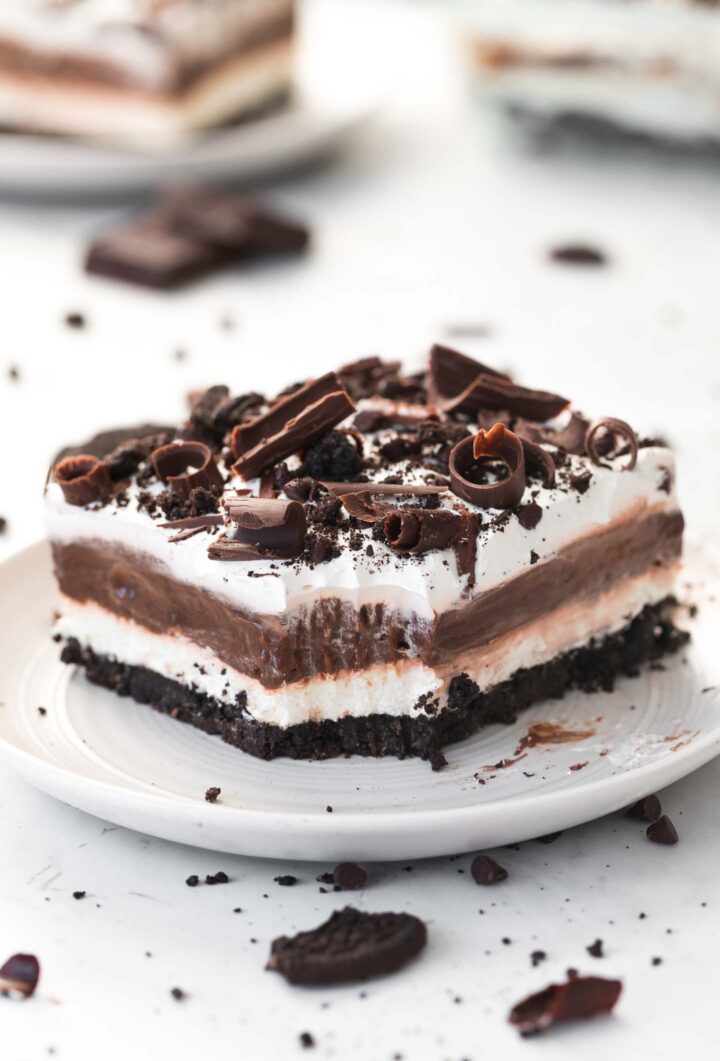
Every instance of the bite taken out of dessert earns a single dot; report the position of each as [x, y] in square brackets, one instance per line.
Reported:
[370, 562]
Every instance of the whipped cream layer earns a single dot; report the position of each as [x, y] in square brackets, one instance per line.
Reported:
[425, 585]
[398, 689]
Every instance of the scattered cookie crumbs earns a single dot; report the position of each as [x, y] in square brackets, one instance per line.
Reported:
[193, 880]
[79, 895]
[595, 950]
[537, 956]
[75, 320]
[307, 1041]
[217, 878]
[178, 994]
[211, 795]
[42, 710]
[286, 880]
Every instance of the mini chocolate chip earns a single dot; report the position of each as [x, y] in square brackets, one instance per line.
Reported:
[647, 809]
[662, 831]
[349, 876]
[486, 870]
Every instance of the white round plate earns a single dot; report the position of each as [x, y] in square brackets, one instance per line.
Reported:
[124, 762]
[334, 96]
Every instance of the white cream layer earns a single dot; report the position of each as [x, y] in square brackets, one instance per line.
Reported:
[426, 585]
[392, 689]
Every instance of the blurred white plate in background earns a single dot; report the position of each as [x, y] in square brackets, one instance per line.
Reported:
[335, 94]
[125, 762]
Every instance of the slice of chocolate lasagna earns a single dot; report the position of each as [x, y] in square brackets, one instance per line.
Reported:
[371, 562]
[141, 70]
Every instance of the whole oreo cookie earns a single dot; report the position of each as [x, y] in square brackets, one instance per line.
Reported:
[351, 945]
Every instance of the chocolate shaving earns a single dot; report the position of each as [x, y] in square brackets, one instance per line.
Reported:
[19, 976]
[493, 392]
[613, 428]
[260, 529]
[578, 999]
[83, 479]
[419, 530]
[450, 373]
[212, 519]
[292, 424]
[185, 466]
[539, 461]
[466, 548]
[398, 489]
[498, 443]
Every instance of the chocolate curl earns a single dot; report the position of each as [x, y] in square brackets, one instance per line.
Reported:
[538, 460]
[358, 497]
[614, 429]
[292, 424]
[498, 443]
[185, 466]
[260, 529]
[420, 530]
[19, 975]
[570, 438]
[83, 479]
[578, 999]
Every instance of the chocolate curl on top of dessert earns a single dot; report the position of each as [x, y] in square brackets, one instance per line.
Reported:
[83, 479]
[497, 444]
[459, 384]
[292, 424]
[186, 465]
[258, 528]
[358, 498]
[420, 530]
[601, 441]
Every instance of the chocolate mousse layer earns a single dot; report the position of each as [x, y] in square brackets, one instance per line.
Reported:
[332, 635]
[596, 666]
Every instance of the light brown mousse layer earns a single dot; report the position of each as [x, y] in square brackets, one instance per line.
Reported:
[331, 635]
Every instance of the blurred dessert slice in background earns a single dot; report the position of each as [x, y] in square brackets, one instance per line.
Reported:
[647, 67]
[147, 71]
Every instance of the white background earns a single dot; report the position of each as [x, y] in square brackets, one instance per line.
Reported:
[437, 217]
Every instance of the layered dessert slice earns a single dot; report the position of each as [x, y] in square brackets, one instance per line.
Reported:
[645, 67]
[371, 562]
[146, 70]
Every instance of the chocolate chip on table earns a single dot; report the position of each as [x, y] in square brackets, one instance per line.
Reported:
[193, 881]
[149, 253]
[350, 945]
[307, 1041]
[349, 876]
[595, 950]
[662, 831]
[217, 878]
[486, 870]
[75, 320]
[647, 809]
[178, 994]
[212, 794]
[579, 998]
[286, 880]
[19, 976]
[79, 895]
[578, 254]
[42, 710]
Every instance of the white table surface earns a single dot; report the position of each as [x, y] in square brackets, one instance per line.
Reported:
[435, 219]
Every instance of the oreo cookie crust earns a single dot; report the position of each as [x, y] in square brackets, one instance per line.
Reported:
[350, 945]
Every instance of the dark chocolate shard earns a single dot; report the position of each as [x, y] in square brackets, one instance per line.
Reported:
[529, 515]
[391, 489]
[420, 530]
[493, 393]
[612, 429]
[212, 519]
[498, 444]
[19, 976]
[450, 373]
[83, 479]
[187, 465]
[103, 444]
[350, 945]
[486, 870]
[260, 529]
[148, 252]
[578, 254]
[364, 378]
[292, 424]
[580, 998]
[349, 876]
[232, 222]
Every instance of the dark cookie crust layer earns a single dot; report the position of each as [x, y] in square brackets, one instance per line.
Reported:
[595, 666]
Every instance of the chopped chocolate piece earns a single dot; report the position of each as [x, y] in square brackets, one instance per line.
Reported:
[75, 320]
[306, 1040]
[609, 425]
[394, 489]
[217, 878]
[83, 479]
[148, 252]
[580, 481]
[368, 421]
[212, 794]
[292, 424]
[498, 444]
[537, 956]
[185, 466]
[417, 530]
[349, 876]
[215, 412]
[178, 994]
[193, 881]
[335, 456]
[305, 489]
[662, 831]
[577, 254]
[363, 378]
[125, 459]
[595, 950]
[19, 976]
[286, 880]
[259, 528]
[486, 870]
[232, 222]
[529, 515]
[79, 895]
[647, 809]
[450, 372]
[350, 945]
[104, 443]
[580, 998]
